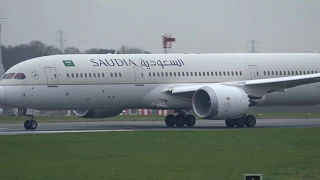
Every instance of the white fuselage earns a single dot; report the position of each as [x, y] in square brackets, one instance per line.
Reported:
[124, 81]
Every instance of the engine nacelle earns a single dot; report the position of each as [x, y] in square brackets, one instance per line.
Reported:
[97, 113]
[220, 102]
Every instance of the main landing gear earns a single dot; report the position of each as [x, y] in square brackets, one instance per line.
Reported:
[249, 121]
[180, 120]
[30, 124]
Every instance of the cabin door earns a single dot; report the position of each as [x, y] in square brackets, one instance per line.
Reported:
[254, 72]
[52, 78]
[139, 79]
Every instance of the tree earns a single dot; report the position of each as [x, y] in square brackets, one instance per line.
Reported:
[99, 51]
[12, 55]
[132, 50]
[71, 50]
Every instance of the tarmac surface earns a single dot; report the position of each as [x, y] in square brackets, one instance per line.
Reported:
[69, 127]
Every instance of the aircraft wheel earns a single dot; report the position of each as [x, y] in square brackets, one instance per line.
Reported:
[230, 122]
[240, 122]
[170, 120]
[190, 120]
[180, 120]
[27, 124]
[33, 124]
[250, 121]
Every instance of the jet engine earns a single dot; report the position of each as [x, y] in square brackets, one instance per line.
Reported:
[220, 102]
[97, 113]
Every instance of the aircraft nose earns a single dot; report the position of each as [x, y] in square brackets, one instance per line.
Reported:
[3, 94]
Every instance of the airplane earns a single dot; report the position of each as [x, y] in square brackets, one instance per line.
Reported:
[221, 86]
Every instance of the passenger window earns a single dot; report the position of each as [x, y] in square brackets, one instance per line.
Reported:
[316, 71]
[208, 74]
[272, 73]
[158, 74]
[72, 75]
[199, 73]
[195, 73]
[170, 73]
[268, 73]
[120, 74]
[240, 73]
[304, 72]
[174, 73]
[77, 75]
[80, 74]
[284, 73]
[276, 73]
[300, 72]
[311, 72]
[232, 73]
[162, 74]
[154, 74]
[228, 73]
[98, 74]
[191, 73]
[111, 74]
[216, 73]
[85, 75]
[308, 72]
[166, 73]
[204, 73]
[94, 74]
[288, 72]
[220, 73]
[182, 73]
[264, 73]
[280, 73]
[236, 73]
[178, 73]
[115, 74]
[90, 75]
[101, 74]
[149, 74]
[187, 73]
[224, 73]
[68, 75]
[19, 76]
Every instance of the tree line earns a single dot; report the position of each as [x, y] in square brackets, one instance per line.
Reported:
[12, 55]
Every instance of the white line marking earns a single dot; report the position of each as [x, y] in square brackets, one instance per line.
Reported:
[54, 132]
[77, 131]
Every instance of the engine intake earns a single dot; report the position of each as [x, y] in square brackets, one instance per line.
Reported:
[97, 113]
[220, 102]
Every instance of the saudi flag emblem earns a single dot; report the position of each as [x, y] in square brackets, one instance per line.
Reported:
[68, 63]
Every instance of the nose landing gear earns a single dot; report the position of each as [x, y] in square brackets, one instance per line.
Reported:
[30, 124]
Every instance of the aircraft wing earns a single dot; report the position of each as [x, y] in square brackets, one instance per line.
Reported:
[255, 89]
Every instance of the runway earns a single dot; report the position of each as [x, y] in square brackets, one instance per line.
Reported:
[69, 127]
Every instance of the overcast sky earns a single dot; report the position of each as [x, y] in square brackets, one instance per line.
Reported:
[198, 26]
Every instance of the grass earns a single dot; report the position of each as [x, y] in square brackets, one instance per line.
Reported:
[286, 154]
[20, 119]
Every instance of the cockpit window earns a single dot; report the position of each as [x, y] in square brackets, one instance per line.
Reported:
[19, 76]
[8, 76]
